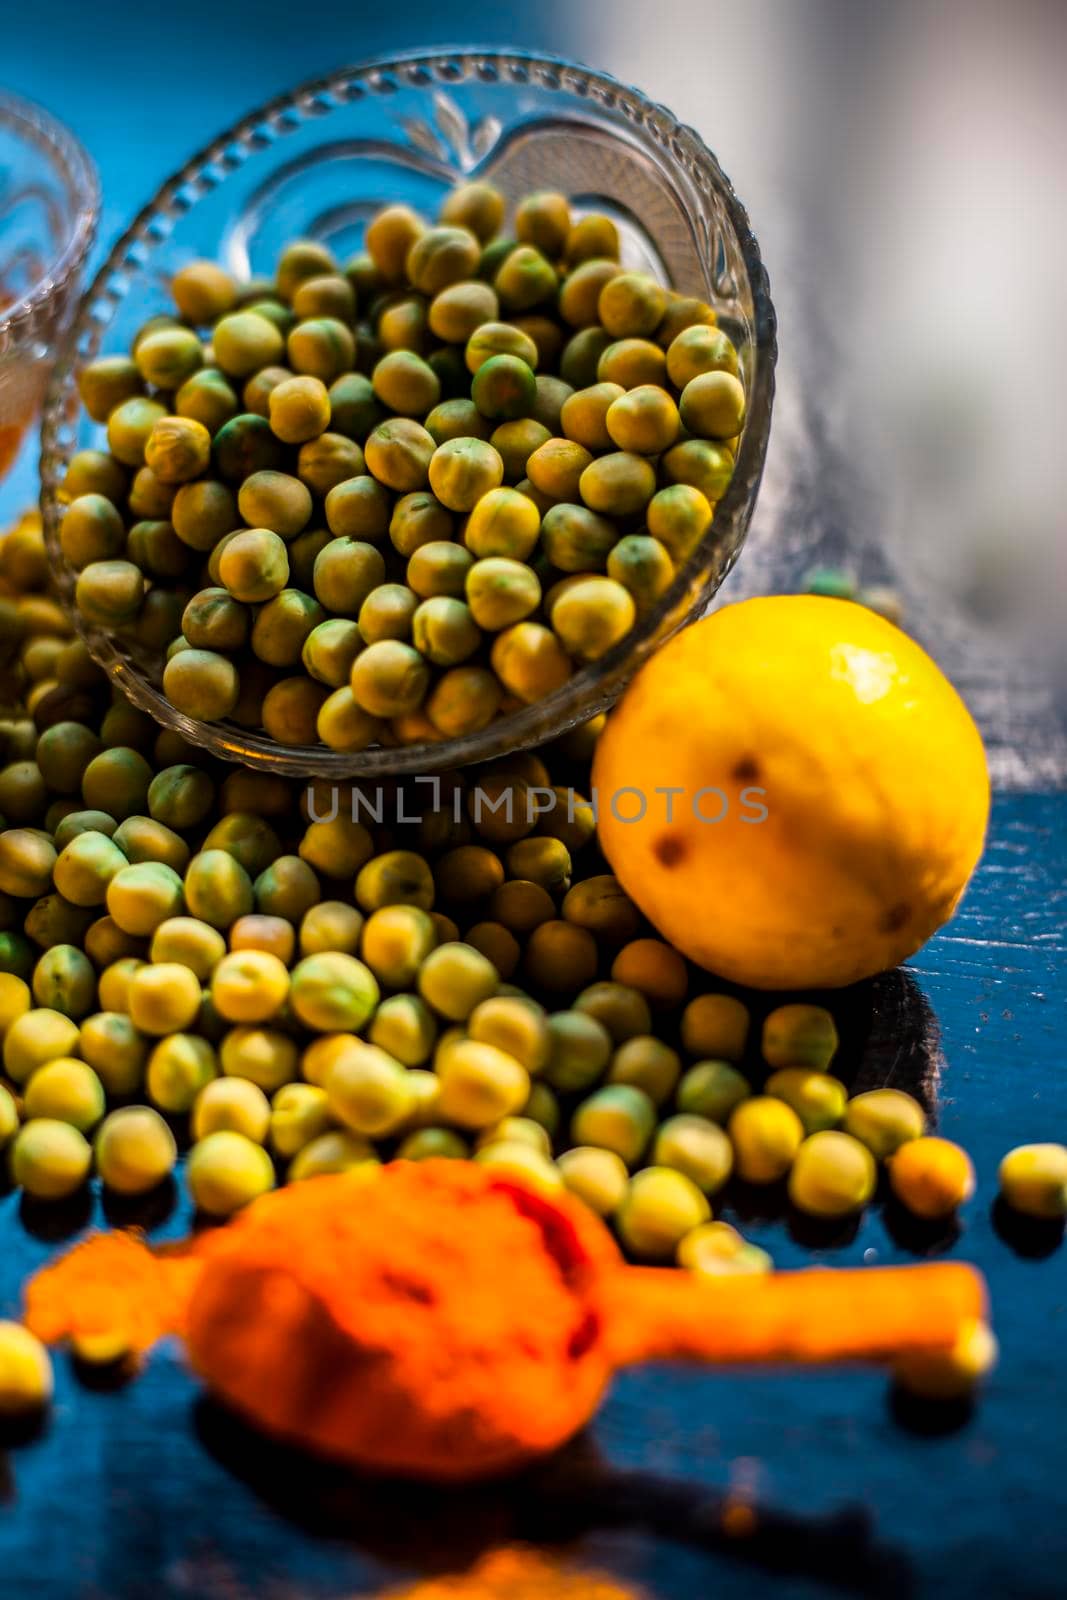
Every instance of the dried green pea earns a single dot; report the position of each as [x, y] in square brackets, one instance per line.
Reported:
[464, 700]
[444, 631]
[207, 397]
[456, 419]
[91, 530]
[501, 592]
[358, 508]
[477, 206]
[354, 407]
[576, 539]
[499, 339]
[109, 593]
[129, 427]
[441, 256]
[593, 616]
[106, 383]
[322, 347]
[439, 568]
[245, 341]
[168, 357]
[818, 1099]
[644, 568]
[833, 1175]
[398, 453]
[346, 571]
[701, 464]
[525, 279]
[530, 661]
[282, 627]
[1033, 1180]
[330, 649]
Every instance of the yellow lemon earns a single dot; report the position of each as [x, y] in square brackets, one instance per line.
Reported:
[792, 792]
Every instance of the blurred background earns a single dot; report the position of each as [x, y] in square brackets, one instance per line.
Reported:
[903, 166]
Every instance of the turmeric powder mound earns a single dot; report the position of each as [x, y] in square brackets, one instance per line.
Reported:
[112, 1284]
[434, 1324]
[420, 1322]
[517, 1573]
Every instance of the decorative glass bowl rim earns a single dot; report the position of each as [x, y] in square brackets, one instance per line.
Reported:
[81, 180]
[594, 686]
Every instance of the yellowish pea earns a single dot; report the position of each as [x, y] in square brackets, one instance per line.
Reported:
[26, 1380]
[1033, 1180]
[766, 1135]
[234, 1104]
[249, 986]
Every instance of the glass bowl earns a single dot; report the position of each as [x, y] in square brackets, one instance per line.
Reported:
[49, 200]
[318, 162]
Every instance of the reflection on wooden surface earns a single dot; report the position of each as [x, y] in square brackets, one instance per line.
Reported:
[573, 1493]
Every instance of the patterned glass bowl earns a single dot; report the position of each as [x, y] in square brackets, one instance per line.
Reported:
[49, 199]
[318, 162]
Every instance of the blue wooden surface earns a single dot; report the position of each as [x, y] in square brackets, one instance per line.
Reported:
[145, 1492]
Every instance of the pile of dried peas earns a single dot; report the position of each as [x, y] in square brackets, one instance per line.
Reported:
[388, 503]
[189, 959]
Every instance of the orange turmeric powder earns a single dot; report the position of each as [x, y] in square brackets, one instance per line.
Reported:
[112, 1285]
[433, 1320]
[516, 1573]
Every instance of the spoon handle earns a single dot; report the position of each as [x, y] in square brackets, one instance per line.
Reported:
[822, 1314]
